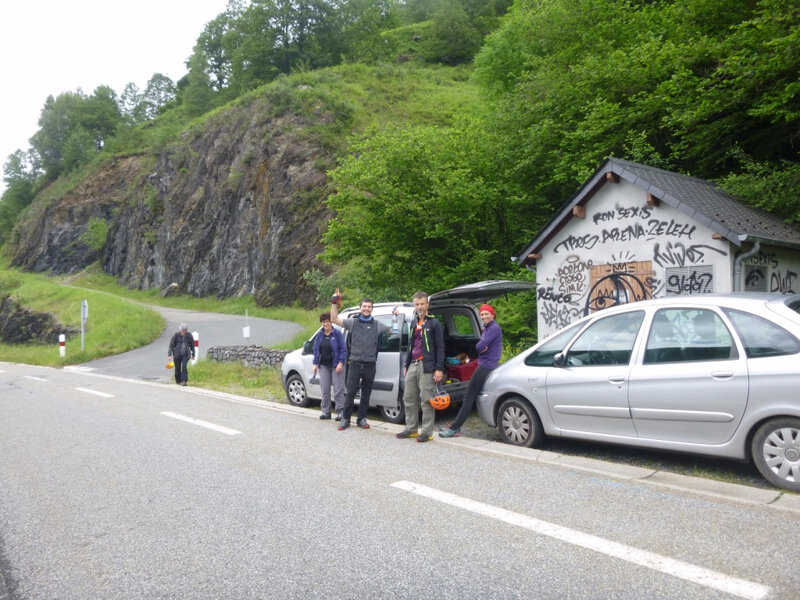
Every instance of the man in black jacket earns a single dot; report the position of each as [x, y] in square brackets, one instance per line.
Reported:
[181, 348]
[424, 367]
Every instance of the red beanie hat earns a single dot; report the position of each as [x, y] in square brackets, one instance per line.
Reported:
[488, 308]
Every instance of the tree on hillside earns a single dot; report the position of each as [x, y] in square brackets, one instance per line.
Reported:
[694, 85]
[425, 208]
[20, 174]
[455, 40]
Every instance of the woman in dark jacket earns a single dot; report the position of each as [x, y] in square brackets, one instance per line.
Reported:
[330, 355]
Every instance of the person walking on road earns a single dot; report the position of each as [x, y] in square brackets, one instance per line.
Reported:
[489, 349]
[424, 367]
[330, 355]
[181, 348]
[364, 332]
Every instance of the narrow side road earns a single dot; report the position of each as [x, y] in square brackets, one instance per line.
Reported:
[214, 329]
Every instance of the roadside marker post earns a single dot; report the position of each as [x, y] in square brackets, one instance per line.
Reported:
[196, 337]
[62, 345]
[84, 317]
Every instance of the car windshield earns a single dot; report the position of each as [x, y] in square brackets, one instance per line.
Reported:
[544, 354]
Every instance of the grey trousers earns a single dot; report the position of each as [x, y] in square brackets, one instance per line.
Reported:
[419, 391]
[328, 376]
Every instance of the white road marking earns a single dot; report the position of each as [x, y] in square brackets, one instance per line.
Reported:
[206, 424]
[34, 378]
[676, 568]
[95, 392]
[79, 368]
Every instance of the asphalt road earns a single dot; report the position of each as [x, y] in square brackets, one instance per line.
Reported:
[115, 488]
[214, 329]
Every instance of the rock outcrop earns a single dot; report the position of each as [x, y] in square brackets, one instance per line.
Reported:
[20, 325]
[234, 208]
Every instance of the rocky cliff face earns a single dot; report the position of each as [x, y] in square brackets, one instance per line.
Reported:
[233, 208]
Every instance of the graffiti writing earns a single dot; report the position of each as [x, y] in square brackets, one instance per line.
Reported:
[766, 259]
[782, 282]
[691, 283]
[547, 293]
[622, 212]
[573, 242]
[754, 279]
[558, 315]
[571, 275]
[680, 255]
[670, 228]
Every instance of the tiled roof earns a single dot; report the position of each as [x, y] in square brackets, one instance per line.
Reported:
[698, 198]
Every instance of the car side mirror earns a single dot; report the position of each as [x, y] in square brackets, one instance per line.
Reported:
[308, 347]
[559, 360]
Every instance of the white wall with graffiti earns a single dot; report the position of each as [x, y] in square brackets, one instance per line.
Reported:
[624, 250]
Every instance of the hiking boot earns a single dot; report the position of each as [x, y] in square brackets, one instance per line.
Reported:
[363, 424]
[425, 437]
[448, 433]
[338, 415]
[344, 425]
[445, 426]
[406, 434]
[325, 416]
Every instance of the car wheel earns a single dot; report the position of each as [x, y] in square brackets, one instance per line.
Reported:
[393, 414]
[296, 391]
[776, 452]
[519, 424]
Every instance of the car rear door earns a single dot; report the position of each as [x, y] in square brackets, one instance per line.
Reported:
[691, 382]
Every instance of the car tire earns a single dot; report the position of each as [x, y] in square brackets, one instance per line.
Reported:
[392, 414]
[519, 424]
[296, 391]
[775, 450]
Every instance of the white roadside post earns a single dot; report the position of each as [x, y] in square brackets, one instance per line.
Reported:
[84, 317]
[246, 329]
[196, 337]
[62, 345]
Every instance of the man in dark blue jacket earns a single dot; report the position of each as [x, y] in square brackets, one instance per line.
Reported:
[181, 348]
[424, 368]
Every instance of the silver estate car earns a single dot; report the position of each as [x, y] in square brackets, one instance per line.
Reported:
[717, 375]
[456, 311]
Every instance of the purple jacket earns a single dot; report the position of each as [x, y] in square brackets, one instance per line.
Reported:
[490, 346]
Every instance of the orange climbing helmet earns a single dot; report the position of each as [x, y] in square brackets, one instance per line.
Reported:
[441, 398]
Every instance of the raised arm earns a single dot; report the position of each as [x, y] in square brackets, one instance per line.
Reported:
[336, 302]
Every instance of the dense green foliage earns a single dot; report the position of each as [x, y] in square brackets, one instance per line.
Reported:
[706, 87]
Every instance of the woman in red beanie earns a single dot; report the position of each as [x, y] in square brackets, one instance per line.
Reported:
[489, 349]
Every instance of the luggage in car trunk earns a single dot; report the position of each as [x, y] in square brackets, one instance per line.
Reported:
[462, 372]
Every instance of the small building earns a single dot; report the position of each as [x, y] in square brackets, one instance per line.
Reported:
[634, 232]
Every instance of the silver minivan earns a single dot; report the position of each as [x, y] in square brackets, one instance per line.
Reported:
[455, 309]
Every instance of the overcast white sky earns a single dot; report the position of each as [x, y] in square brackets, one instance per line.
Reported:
[53, 46]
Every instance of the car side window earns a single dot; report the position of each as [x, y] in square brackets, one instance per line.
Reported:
[462, 325]
[607, 341]
[543, 356]
[762, 337]
[688, 335]
[388, 342]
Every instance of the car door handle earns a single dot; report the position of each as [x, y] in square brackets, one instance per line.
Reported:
[616, 380]
[721, 375]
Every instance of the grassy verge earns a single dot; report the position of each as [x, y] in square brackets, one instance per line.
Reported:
[95, 279]
[114, 325]
[233, 378]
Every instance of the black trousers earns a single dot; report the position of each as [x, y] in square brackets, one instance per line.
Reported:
[358, 374]
[474, 388]
[181, 372]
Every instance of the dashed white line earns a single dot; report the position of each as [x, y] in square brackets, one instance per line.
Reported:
[34, 378]
[206, 424]
[95, 392]
[706, 577]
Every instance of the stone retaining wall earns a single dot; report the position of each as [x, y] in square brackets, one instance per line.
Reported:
[256, 357]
